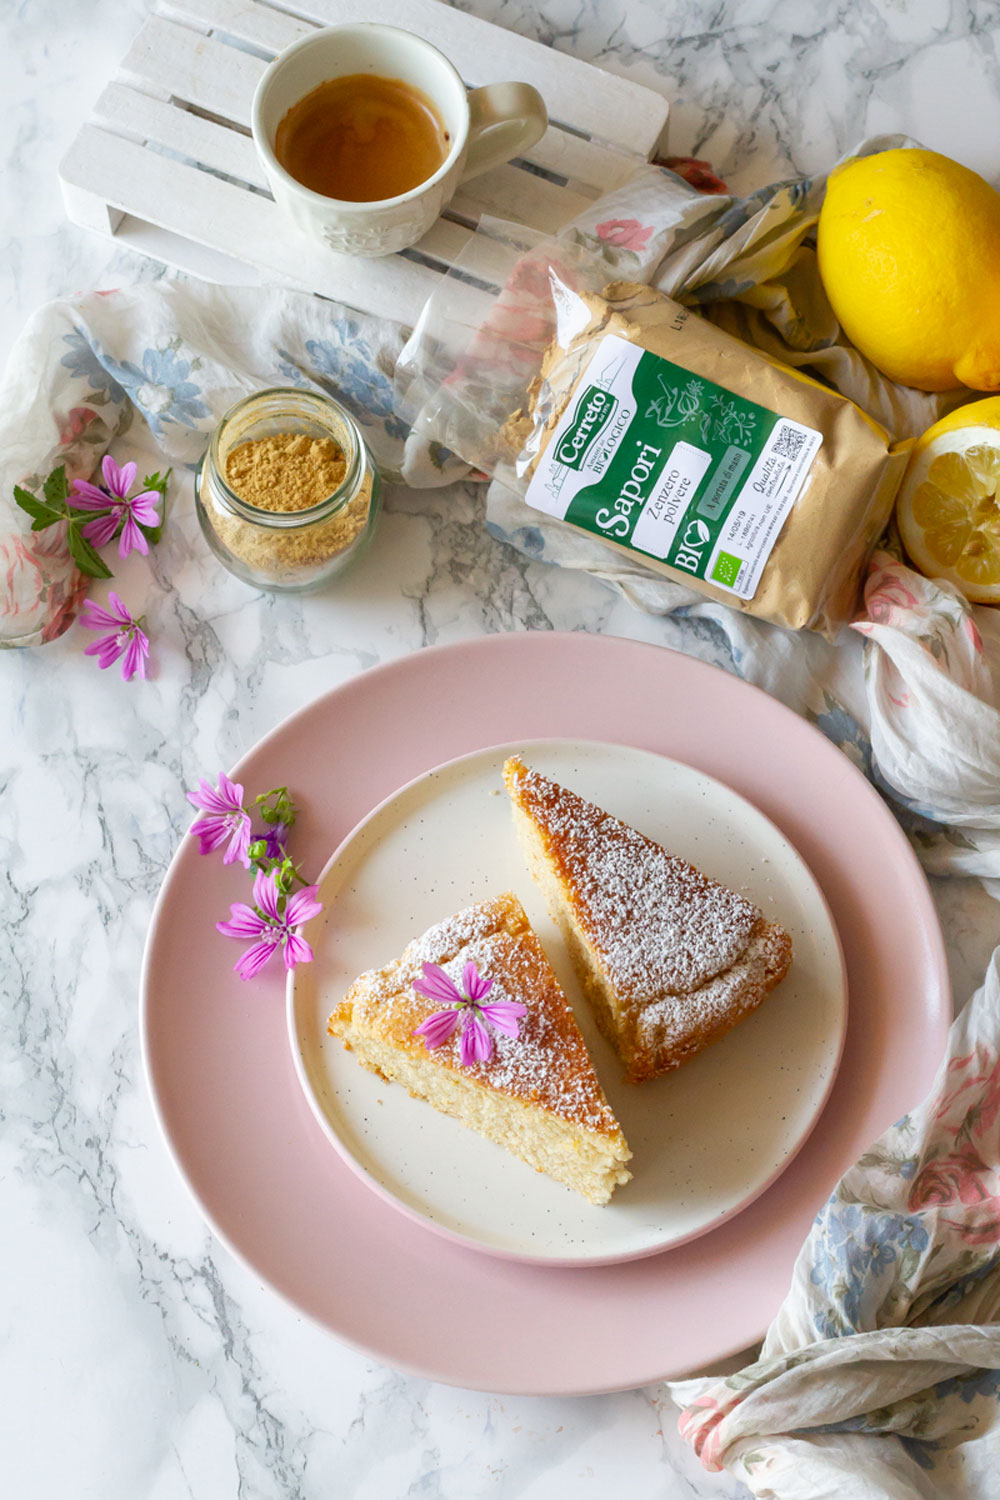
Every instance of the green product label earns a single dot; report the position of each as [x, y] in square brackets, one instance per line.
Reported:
[725, 482]
[592, 413]
[674, 466]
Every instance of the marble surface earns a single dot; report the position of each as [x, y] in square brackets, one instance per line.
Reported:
[140, 1361]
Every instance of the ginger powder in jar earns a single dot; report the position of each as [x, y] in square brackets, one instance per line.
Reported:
[287, 492]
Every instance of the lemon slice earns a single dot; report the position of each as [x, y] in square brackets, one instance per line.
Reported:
[948, 508]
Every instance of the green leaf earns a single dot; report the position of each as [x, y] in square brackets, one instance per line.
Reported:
[56, 487]
[83, 554]
[157, 481]
[41, 515]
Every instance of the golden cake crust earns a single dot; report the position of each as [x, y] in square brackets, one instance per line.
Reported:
[548, 1066]
[670, 959]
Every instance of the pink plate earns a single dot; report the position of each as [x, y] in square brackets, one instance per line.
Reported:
[243, 1136]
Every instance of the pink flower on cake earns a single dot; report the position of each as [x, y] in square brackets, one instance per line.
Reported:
[475, 1043]
[626, 234]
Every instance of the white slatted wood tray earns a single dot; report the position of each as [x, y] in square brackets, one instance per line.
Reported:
[167, 164]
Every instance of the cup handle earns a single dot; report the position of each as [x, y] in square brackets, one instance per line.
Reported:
[505, 119]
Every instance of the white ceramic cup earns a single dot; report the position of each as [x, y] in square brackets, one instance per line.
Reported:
[485, 127]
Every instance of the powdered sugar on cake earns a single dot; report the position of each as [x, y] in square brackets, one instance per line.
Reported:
[661, 927]
[548, 1064]
[666, 1023]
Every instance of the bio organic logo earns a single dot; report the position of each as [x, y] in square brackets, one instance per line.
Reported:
[727, 569]
[696, 537]
[593, 413]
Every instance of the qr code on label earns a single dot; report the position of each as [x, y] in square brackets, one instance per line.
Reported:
[788, 443]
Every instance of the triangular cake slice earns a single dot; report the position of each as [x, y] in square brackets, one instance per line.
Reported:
[537, 1095]
[669, 959]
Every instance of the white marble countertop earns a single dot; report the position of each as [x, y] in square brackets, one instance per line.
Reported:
[140, 1361]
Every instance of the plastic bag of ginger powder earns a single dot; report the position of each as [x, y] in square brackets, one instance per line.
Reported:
[614, 410]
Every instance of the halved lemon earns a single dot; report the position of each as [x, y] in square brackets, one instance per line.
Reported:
[948, 508]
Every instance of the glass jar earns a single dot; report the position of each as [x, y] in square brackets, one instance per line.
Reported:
[276, 545]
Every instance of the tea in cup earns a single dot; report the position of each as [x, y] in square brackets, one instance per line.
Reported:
[365, 132]
[361, 138]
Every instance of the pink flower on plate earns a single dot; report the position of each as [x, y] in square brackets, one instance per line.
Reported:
[269, 926]
[117, 508]
[625, 234]
[475, 1043]
[225, 818]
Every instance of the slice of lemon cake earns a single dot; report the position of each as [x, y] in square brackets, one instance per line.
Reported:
[669, 959]
[535, 1093]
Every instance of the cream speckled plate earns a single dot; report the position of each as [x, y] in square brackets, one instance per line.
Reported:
[706, 1140]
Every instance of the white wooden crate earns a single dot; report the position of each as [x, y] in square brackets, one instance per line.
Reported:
[167, 164]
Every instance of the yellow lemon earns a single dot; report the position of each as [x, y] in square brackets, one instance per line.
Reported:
[909, 254]
[948, 513]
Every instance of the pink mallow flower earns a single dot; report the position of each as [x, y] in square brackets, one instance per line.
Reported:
[113, 497]
[127, 637]
[271, 928]
[475, 1043]
[226, 818]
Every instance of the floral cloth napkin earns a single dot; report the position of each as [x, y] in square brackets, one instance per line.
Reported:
[881, 1373]
[176, 354]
